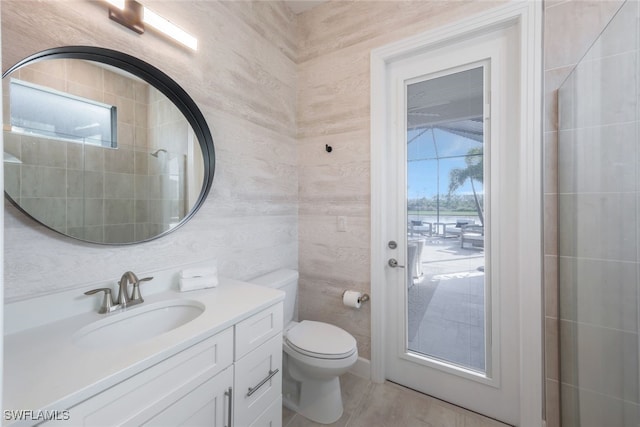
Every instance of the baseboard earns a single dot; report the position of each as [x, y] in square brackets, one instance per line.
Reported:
[362, 368]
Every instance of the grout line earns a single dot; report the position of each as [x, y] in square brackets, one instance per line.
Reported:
[583, 258]
[597, 326]
[348, 420]
[599, 393]
[291, 420]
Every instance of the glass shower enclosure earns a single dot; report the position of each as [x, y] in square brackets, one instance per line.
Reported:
[599, 230]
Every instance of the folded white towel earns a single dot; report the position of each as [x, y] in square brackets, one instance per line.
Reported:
[195, 283]
[199, 272]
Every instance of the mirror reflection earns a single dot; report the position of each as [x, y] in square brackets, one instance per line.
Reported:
[97, 153]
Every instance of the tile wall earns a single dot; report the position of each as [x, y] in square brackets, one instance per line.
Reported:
[597, 223]
[169, 172]
[570, 28]
[100, 194]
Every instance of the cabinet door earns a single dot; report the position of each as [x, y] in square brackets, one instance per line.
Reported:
[271, 417]
[206, 405]
[258, 381]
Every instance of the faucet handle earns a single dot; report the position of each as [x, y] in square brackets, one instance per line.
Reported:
[107, 302]
[135, 293]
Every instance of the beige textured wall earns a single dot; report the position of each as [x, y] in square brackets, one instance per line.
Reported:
[335, 40]
[570, 29]
[243, 78]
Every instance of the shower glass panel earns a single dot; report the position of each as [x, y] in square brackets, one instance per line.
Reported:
[599, 233]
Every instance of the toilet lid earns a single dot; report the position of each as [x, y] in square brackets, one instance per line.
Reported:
[318, 339]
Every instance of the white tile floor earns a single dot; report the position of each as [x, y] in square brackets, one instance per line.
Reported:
[389, 405]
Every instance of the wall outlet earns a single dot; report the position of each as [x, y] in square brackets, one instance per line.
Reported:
[341, 223]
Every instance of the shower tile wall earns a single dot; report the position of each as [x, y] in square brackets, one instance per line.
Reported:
[570, 27]
[96, 193]
[166, 201]
[598, 221]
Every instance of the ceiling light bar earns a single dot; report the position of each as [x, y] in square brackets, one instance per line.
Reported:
[134, 16]
[161, 24]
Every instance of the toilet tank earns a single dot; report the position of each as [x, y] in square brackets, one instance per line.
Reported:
[287, 281]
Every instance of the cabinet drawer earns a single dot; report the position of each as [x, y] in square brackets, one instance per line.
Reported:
[257, 329]
[258, 381]
[272, 416]
[157, 387]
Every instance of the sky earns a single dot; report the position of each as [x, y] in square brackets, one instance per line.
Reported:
[422, 166]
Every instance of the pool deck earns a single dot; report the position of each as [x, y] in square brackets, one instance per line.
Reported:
[446, 303]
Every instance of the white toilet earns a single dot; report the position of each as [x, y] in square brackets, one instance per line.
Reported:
[315, 355]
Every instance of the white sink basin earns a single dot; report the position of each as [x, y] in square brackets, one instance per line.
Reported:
[137, 324]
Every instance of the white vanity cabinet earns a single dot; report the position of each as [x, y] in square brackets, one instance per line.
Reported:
[258, 370]
[221, 368]
[186, 389]
[233, 378]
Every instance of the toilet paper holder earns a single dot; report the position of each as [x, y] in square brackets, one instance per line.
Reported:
[363, 298]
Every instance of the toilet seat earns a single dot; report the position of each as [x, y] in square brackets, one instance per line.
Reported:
[320, 340]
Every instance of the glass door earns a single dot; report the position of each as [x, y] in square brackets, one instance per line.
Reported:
[452, 280]
[446, 288]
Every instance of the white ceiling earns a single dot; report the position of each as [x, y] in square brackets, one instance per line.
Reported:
[299, 6]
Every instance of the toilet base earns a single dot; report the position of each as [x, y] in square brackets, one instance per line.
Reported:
[319, 401]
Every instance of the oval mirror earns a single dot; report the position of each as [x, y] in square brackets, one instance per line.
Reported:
[103, 147]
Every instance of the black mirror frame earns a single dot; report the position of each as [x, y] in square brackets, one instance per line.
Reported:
[161, 82]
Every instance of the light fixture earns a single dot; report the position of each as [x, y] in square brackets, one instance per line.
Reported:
[129, 16]
[117, 3]
[161, 24]
[134, 16]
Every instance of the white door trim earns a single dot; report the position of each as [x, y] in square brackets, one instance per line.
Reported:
[527, 16]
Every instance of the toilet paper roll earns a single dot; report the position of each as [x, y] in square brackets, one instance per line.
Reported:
[352, 299]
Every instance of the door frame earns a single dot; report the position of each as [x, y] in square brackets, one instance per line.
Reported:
[526, 16]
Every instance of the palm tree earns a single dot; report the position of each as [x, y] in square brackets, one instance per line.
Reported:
[473, 171]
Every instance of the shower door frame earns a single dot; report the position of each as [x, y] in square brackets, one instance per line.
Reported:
[527, 19]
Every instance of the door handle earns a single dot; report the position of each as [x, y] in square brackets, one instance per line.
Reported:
[394, 263]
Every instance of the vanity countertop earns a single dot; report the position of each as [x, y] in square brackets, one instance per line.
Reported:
[44, 370]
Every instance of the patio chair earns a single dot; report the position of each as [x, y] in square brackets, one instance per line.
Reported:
[421, 228]
[454, 229]
[473, 234]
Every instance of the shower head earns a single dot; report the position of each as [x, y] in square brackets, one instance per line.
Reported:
[155, 153]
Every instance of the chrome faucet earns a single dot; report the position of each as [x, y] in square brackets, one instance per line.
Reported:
[123, 292]
[124, 298]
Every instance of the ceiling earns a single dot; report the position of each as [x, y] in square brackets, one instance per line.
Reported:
[450, 101]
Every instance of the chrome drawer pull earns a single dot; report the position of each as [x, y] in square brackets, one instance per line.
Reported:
[254, 389]
[229, 393]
